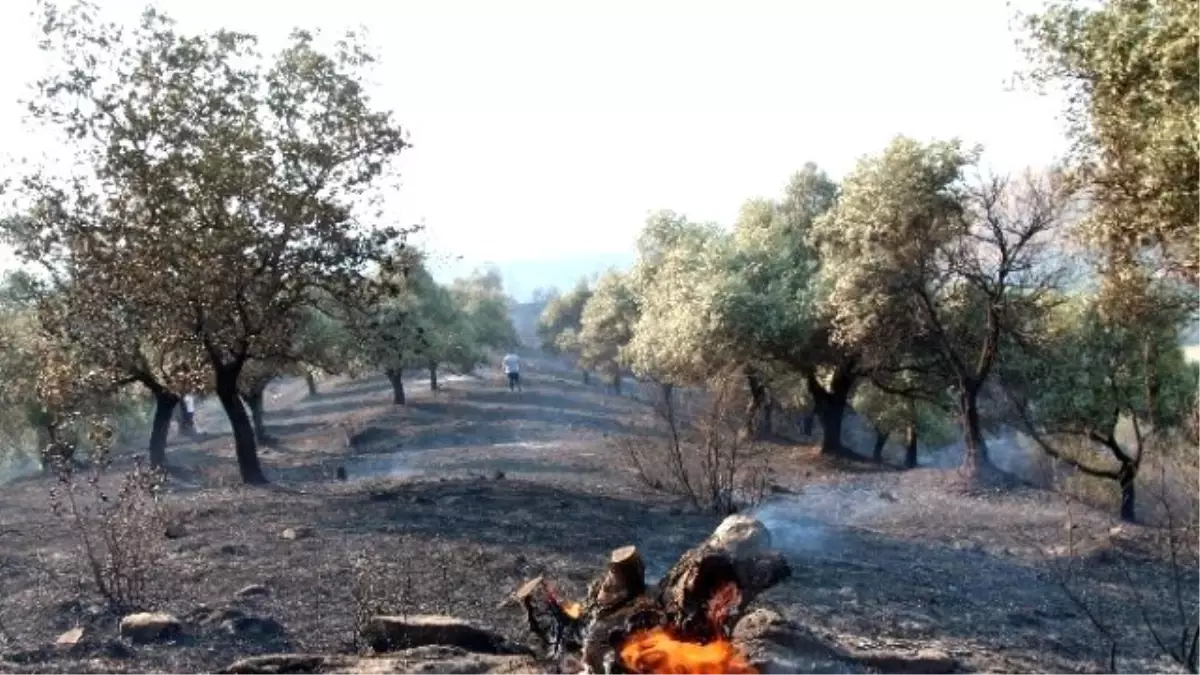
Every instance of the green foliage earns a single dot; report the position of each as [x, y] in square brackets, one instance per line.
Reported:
[1094, 369]
[607, 324]
[1131, 69]
[674, 339]
[770, 304]
[894, 413]
[558, 326]
[898, 213]
[216, 190]
[482, 300]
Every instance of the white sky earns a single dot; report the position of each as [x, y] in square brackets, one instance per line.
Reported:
[547, 129]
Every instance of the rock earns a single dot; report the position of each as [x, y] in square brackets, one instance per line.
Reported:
[499, 475]
[253, 591]
[929, 660]
[233, 549]
[429, 659]
[175, 531]
[341, 473]
[145, 627]
[773, 644]
[69, 638]
[294, 533]
[391, 633]
[742, 536]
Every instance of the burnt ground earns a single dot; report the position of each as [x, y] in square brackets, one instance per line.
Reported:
[455, 499]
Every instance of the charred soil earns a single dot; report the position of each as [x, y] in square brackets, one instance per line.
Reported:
[451, 502]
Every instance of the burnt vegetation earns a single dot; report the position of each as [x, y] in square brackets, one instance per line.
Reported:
[940, 418]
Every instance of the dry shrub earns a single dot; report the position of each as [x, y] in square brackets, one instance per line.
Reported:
[380, 588]
[1157, 571]
[120, 532]
[701, 450]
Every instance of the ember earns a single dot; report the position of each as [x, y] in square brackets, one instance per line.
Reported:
[681, 625]
[655, 651]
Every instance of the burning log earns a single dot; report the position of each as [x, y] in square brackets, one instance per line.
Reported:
[682, 624]
[556, 624]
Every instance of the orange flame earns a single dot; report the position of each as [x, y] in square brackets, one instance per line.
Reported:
[656, 651]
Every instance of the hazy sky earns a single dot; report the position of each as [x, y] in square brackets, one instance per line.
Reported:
[548, 129]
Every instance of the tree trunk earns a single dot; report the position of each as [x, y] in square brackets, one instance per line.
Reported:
[396, 377]
[830, 406]
[244, 442]
[757, 414]
[311, 381]
[254, 401]
[164, 409]
[587, 377]
[881, 439]
[975, 453]
[616, 384]
[1125, 479]
[806, 423]
[667, 391]
[433, 383]
[910, 447]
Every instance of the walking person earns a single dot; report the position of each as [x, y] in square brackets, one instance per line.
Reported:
[512, 369]
[187, 415]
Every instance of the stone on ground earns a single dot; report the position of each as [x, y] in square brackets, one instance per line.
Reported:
[391, 633]
[428, 659]
[144, 627]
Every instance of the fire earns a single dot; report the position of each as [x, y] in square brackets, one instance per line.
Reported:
[572, 609]
[656, 651]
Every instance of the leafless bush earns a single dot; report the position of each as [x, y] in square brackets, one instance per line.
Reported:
[380, 588]
[1157, 573]
[704, 453]
[120, 534]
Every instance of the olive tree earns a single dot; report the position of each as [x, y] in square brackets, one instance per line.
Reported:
[922, 259]
[774, 306]
[1090, 377]
[1130, 69]
[220, 187]
[559, 323]
[606, 326]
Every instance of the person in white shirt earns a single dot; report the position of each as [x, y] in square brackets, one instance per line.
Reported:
[512, 368]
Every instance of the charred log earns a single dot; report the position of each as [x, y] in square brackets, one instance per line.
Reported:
[622, 623]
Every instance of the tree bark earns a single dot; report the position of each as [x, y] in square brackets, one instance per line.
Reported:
[1125, 478]
[254, 401]
[881, 439]
[616, 384]
[667, 391]
[311, 381]
[975, 453]
[757, 414]
[164, 409]
[244, 443]
[396, 377]
[910, 447]
[830, 406]
[806, 423]
[587, 377]
[433, 383]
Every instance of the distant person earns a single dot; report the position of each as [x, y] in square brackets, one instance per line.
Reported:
[187, 415]
[512, 369]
